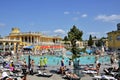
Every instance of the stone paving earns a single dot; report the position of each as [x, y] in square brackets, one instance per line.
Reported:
[59, 77]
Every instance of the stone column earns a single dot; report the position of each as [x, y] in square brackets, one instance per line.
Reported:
[20, 38]
[27, 39]
[31, 39]
[4, 46]
[15, 47]
[9, 46]
[37, 39]
[23, 38]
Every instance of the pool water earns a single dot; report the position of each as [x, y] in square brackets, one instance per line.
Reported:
[52, 60]
[91, 59]
[56, 60]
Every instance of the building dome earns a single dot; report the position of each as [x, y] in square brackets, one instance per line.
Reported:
[15, 30]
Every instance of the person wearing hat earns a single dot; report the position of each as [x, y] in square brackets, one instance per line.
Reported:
[12, 67]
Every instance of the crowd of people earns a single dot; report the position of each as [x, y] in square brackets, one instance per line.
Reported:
[63, 69]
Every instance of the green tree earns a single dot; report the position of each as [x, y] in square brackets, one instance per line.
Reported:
[90, 41]
[100, 42]
[75, 35]
[65, 39]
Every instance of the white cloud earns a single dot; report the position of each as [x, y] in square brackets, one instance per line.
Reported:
[66, 12]
[59, 31]
[2, 25]
[84, 15]
[108, 18]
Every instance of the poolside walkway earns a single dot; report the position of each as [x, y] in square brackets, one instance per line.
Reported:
[54, 77]
[59, 76]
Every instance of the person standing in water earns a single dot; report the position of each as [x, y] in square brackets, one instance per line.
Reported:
[45, 62]
[41, 62]
[62, 62]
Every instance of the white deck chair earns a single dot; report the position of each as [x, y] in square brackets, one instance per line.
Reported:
[89, 72]
[39, 72]
[11, 73]
[104, 77]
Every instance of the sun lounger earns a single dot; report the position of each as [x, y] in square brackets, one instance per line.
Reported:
[5, 76]
[109, 72]
[70, 78]
[16, 74]
[44, 74]
[89, 72]
[104, 77]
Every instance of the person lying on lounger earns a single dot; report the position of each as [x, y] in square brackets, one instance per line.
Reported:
[95, 69]
[71, 75]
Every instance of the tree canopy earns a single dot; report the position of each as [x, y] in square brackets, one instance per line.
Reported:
[74, 35]
[65, 38]
[90, 41]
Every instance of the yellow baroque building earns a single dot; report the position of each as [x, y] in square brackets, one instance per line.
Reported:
[7, 45]
[114, 39]
[36, 39]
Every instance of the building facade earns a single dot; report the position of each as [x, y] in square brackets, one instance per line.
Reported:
[7, 45]
[114, 39]
[68, 44]
[36, 39]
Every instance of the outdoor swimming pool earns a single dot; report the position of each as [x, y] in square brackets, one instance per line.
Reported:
[91, 59]
[55, 60]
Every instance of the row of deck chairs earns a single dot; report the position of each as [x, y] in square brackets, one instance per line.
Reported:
[112, 72]
[109, 74]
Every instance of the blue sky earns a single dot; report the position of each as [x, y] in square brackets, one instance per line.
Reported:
[56, 17]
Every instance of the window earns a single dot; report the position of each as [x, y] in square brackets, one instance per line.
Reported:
[17, 38]
[118, 37]
[110, 38]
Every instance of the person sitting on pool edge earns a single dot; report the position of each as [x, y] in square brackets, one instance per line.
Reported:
[62, 69]
[95, 69]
